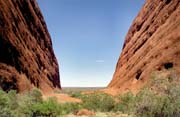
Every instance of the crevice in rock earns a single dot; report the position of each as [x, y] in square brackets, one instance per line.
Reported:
[167, 1]
[168, 65]
[9, 54]
[138, 26]
[140, 46]
[139, 72]
[8, 85]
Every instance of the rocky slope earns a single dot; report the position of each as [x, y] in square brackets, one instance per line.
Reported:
[27, 59]
[152, 43]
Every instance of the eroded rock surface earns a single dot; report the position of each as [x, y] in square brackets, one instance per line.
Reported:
[27, 59]
[152, 43]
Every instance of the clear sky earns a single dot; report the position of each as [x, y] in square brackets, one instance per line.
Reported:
[87, 37]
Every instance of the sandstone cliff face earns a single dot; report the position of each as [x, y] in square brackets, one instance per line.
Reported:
[152, 43]
[27, 59]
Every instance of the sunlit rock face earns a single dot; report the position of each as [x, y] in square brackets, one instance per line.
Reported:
[152, 43]
[27, 59]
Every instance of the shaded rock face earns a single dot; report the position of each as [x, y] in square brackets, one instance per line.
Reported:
[27, 59]
[152, 43]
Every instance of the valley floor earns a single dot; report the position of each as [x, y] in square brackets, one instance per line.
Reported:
[103, 114]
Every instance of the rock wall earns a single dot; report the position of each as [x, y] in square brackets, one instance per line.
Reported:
[152, 43]
[27, 59]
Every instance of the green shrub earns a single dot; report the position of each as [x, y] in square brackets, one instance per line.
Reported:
[4, 107]
[98, 102]
[30, 104]
[76, 94]
[150, 104]
[146, 103]
[161, 99]
[67, 108]
[47, 108]
[8, 104]
[126, 103]
[35, 95]
[12, 99]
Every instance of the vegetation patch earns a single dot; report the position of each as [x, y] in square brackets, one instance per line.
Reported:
[161, 98]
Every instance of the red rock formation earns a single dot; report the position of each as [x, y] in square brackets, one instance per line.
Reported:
[26, 55]
[152, 43]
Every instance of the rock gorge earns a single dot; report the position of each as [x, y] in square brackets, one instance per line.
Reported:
[27, 59]
[152, 43]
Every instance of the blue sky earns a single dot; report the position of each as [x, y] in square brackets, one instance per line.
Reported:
[87, 37]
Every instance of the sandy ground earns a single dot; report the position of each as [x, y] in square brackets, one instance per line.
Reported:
[61, 98]
[105, 114]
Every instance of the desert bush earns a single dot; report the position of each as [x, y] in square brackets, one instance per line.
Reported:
[150, 103]
[67, 108]
[98, 102]
[8, 104]
[27, 101]
[30, 104]
[4, 107]
[35, 95]
[146, 103]
[125, 103]
[76, 94]
[12, 99]
[49, 108]
[160, 99]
